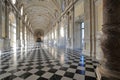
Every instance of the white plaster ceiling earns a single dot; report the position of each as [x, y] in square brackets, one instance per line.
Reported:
[41, 13]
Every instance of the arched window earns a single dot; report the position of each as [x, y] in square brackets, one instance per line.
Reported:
[25, 18]
[62, 31]
[13, 1]
[12, 29]
[63, 5]
[21, 11]
[25, 35]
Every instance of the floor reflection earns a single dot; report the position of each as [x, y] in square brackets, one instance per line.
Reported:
[0, 58]
[43, 62]
[15, 57]
[21, 55]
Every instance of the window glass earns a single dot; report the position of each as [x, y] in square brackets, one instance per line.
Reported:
[13, 1]
[12, 29]
[22, 10]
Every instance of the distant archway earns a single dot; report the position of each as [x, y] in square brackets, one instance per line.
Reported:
[39, 34]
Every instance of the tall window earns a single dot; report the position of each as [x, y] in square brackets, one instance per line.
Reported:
[25, 18]
[25, 36]
[82, 33]
[63, 5]
[21, 32]
[25, 31]
[62, 31]
[13, 1]
[22, 10]
[12, 29]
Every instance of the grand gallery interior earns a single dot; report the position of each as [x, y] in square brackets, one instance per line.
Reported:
[59, 39]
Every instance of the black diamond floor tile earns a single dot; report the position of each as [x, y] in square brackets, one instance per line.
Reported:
[90, 78]
[56, 77]
[90, 69]
[25, 75]
[41, 78]
[73, 66]
[11, 77]
[40, 73]
[63, 68]
[69, 74]
[52, 70]
[82, 72]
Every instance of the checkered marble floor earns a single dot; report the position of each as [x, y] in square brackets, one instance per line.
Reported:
[39, 63]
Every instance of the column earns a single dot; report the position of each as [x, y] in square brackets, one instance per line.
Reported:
[6, 19]
[28, 37]
[0, 19]
[93, 28]
[73, 15]
[68, 33]
[7, 40]
[18, 31]
[110, 45]
[58, 34]
[23, 33]
[1, 40]
[88, 28]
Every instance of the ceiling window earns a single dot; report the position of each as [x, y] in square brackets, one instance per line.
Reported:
[25, 18]
[22, 10]
[62, 32]
[13, 1]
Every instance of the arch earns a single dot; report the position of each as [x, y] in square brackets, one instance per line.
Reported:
[38, 34]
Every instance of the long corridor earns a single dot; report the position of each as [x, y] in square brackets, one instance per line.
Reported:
[38, 63]
[59, 39]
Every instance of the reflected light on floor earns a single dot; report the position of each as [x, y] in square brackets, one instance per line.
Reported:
[0, 53]
[45, 46]
[0, 56]
[52, 52]
[82, 59]
[21, 55]
[26, 51]
[55, 55]
[62, 58]
[14, 56]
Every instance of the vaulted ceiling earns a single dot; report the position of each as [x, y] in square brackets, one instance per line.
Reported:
[41, 13]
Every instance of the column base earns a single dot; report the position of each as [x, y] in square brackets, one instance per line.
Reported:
[7, 46]
[105, 74]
